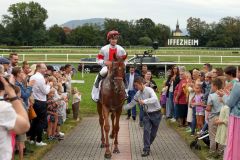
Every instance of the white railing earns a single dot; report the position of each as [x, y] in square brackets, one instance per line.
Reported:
[169, 59]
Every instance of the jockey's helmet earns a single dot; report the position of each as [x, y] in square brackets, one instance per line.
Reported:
[112, 34]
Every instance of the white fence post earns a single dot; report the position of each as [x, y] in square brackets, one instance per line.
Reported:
[67, 57]
[45, 57]
[199, 59]
[23, 57]
[221, 59]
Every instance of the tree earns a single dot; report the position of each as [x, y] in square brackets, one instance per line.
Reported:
[145, 41]
[24, 21]
[86, 35]
[56, 35]
[198, 30]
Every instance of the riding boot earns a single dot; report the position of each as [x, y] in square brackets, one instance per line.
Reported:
[99, 78]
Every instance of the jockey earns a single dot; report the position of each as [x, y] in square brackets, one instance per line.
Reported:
[106, 54]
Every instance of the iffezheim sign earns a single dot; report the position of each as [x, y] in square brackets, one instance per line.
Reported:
[183, 42]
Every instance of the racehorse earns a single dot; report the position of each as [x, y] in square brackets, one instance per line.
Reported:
[111, 99]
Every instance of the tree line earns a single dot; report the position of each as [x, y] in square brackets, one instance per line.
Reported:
[24, 25]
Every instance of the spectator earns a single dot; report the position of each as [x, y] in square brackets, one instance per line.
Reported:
[198, 103]
[131, 93]
[222, 123]
[13, 57]
[202, 77]
[180, 99]
[206, 86]
[191, 117]
[68, 75]
[196, 76]
[20, 138]
[33, 70]
[26, 68]
[163, 99]
[25, 90]
[207, 68]
[61, 110]
[171, 83]
[13, 117]
[218, 73]
[144, 70]
[214, 106]
[6, 65]
[50, 70]
[231, 74]
[40, 90]
[52, 115]
[233, 139]
[149, 82]
[76, 103]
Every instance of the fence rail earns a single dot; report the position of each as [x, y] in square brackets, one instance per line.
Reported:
[168, 59]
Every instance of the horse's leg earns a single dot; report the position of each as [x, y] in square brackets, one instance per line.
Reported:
[116, 130]
[107, 129]
[101, 122]
[112, 118]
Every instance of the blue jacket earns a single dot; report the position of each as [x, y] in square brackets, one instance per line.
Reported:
[127, 76]
[25, 92]
[233, 100]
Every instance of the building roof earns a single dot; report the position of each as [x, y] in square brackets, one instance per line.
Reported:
[177, 28]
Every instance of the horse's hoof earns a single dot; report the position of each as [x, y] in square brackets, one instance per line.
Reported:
[116, 150]
[102, 145]
[111, 136]
[107, 156]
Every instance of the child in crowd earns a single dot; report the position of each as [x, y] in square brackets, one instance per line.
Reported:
[214, 106]
[52, 114]
[163, 98]
[61, 109]
[222, 123]
[199, 104]
[76, 103]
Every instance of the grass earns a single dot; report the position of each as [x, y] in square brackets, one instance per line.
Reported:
[69, 54]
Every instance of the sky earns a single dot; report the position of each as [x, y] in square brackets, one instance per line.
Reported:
[160, 11]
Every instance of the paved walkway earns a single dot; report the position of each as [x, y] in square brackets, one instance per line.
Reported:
[84, 143]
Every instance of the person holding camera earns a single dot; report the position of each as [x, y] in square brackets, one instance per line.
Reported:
[40, 90]
[149, 82]
[13, 117]
[147, 98]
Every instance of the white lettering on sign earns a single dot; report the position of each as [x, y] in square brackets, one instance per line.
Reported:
[183, 42]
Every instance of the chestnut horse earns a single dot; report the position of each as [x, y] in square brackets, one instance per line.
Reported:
[111, 99]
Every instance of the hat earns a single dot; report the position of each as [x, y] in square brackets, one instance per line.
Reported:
[33, 69]
[4, 60]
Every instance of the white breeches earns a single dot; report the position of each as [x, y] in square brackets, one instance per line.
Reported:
[104, 71]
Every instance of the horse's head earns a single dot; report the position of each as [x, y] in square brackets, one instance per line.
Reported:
[118, 68]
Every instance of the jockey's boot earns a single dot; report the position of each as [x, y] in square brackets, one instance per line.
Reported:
[99, 78]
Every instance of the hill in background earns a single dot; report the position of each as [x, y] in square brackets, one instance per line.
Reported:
[76, 23]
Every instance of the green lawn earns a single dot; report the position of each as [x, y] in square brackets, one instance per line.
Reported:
[172, 54]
